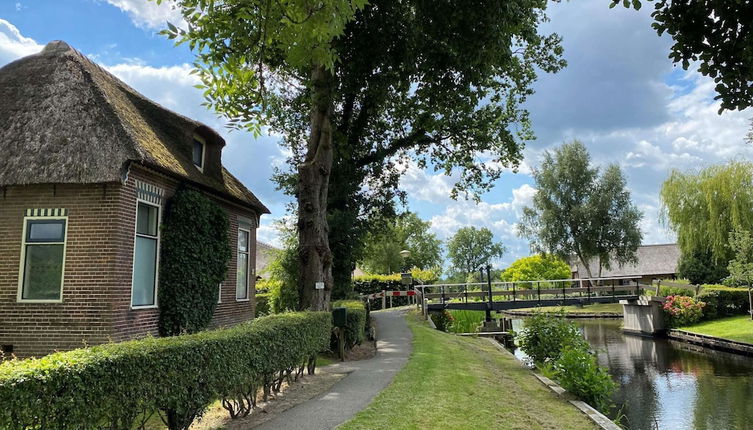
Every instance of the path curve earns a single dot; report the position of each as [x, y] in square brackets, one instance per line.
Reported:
[365, 380]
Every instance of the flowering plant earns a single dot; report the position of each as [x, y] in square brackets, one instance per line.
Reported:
[683, 310]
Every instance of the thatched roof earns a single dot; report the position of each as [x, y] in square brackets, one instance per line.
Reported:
[66, 120]
[653, 260]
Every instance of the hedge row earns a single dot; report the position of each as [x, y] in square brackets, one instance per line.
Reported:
[263, 304]
[723, 301]
[356, 322]
[117, 386]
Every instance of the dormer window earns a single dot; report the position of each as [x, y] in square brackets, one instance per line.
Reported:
[198, 152]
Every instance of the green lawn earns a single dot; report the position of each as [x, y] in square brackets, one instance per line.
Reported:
[739, 328]
[612, 308]
[464, 383]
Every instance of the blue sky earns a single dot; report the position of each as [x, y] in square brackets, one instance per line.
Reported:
[619, 94]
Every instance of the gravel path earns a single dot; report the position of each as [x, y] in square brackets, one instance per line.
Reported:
[365, 380]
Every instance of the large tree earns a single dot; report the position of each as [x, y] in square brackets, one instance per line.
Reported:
[471, 249]
[437, 82]
[715, 35]
[405, 232]
[704, 207]
[578, 211]
[741, 266]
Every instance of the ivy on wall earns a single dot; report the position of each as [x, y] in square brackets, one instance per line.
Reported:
[194, 257]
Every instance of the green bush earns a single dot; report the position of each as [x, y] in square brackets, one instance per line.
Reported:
[194, 258]
[262, 304]
[442, 319]
[114, 386]
[677, 291]
[577, 371]
[723, 301]
[545, 335]
[356, 323]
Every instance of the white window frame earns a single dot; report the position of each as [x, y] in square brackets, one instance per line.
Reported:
[219, 295]
[203, 143]
[133, 260]
[248, 268]
[22, 263]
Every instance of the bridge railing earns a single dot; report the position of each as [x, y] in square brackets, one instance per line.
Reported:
[585, 288]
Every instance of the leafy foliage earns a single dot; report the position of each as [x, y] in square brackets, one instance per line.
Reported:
[578, 372]
[699, 267]
[704, 207]
[262, 304]
[194, 257]
[283, 273]
[722, 301]
[535, 268]
[545, 335]
[715, 34]
[405, 232]
[442, 319]
[683, 310]
[357, 321]
[470, 249]
[579, 212]
[119, 385]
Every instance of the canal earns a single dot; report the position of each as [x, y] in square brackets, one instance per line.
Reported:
[666, 384]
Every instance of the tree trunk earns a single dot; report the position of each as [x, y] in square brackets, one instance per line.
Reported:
[315, 256]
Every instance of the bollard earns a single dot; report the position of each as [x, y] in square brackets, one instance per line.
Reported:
[384, 300]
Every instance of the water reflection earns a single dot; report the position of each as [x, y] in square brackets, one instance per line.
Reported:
[672, 385]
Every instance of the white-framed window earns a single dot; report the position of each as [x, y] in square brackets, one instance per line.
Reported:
[145, 255]
[199, 152]
[43, 257]
[219, 294]
[243, 274]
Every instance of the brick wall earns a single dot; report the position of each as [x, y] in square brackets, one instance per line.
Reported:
[96, 303]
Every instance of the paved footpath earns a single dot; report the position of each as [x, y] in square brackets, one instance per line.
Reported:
[366, 379]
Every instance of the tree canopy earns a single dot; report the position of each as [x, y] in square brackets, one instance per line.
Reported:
[471, 249]
[537, 267]
[704, 207]
[579, 212]
[405, 232]
[717, 35]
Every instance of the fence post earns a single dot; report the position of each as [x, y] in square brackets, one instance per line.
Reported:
[390, 300]
[465, 288]
[563, 291]
[538, 290]
[613, 300]
[444, 299]
[588, 287]
[384, 301]
[513, 291]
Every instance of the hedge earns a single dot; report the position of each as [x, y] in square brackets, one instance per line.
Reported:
[723, 301]
[263, 306]
[356, 322]
[119, 385]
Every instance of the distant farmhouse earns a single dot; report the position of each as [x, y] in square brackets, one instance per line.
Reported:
[654, 262]
[87, 165]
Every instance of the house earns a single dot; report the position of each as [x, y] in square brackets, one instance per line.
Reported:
[654, 262]
[86, 167]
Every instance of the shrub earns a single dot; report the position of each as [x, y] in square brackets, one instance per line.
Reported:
[545, 335]
[262, 304]
[577, 371]
[442, 319]
[723, 301]
[699, 267]
[194, 258]
[677, 291]
[115, 385]
[356, 322]
[683, 310]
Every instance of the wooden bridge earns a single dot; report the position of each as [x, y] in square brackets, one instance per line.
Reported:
[498, 296]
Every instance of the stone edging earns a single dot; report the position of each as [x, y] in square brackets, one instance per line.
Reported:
[597, 417]
[711, 342]
[567, 315]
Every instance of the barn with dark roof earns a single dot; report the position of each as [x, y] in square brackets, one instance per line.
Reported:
[87, 167]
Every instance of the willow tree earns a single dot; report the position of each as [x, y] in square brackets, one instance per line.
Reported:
[247, 53]
[704, 207]
[579, 211]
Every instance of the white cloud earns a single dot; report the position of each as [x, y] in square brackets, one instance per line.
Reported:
[13, 44]
[148, 14]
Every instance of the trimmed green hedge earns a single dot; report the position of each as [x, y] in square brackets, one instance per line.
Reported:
[723, 301]
[356, 322]
[116, 385]
[263, 306]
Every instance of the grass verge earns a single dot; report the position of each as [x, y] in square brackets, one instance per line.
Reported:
[739, 328]
[464, 383]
